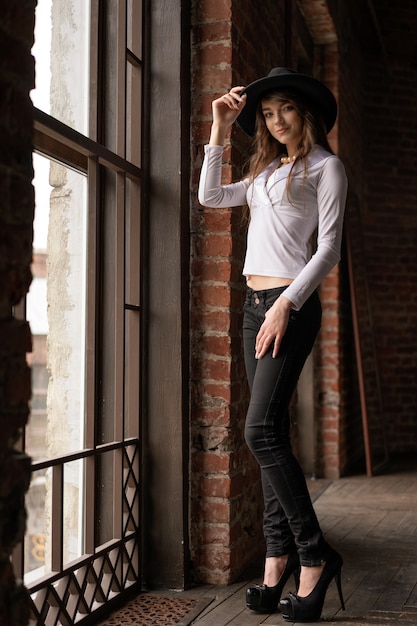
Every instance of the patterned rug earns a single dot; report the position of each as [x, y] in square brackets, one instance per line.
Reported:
[157, 610]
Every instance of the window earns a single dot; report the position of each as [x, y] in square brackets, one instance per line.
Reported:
[82, 549]
[56, 310]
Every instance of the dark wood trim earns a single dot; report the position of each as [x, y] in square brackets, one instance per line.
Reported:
[144, 286]
[185, 268]
[133, 59]
[165, 416]
[58, 141]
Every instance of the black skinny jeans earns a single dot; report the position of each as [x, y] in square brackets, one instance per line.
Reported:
[289, 518]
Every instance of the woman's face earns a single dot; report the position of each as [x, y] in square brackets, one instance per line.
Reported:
[283, 122]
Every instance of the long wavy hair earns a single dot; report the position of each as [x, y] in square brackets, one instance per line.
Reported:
[265, 148]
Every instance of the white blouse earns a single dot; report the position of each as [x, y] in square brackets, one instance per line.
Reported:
[281, 223]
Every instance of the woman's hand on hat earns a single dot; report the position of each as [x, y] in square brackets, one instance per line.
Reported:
[227, 108]
[225, 111]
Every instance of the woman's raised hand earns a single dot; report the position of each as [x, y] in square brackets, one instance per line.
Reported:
[227, 107]
[225, 111]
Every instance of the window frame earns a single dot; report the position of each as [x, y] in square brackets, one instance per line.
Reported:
[121, 556]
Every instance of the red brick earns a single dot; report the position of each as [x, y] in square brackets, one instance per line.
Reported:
[215, 345]
[216, 510]
[215, 534]
[216, 369]
[211, 416]
[209, 270]
[218, 390]
[214, 246]
[211, 296]
[216, 54]
[216, 10]
[215, 486]
[211, 462]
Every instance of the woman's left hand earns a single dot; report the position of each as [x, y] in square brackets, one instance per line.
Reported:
[274, 327]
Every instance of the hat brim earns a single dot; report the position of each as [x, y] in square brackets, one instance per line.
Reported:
[313, 91]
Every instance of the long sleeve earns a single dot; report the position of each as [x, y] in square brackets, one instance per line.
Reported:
[211, 193]
[331, 200]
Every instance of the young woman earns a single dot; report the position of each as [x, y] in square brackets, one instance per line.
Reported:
[295, 186]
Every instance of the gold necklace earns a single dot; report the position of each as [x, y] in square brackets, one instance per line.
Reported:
[286, 159]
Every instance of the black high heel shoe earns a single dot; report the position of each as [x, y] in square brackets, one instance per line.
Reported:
[309, 608]
[265, 599]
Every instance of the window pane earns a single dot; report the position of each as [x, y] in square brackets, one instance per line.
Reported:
[56, 313]
[37, 315]
[61, 52]
[35, 523]
[73, 546]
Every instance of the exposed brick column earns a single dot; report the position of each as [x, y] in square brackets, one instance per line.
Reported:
[221, 516]
[16, 217]
[226, 495]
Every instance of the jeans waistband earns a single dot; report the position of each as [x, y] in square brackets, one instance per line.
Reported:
[264, 295]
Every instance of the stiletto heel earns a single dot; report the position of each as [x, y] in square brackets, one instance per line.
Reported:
[265, 599]
[297, 576]
[308, 609]
[339, 588]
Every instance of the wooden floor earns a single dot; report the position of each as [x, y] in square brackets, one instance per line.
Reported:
[373, 523]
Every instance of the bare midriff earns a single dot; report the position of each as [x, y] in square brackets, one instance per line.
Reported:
[259, 283]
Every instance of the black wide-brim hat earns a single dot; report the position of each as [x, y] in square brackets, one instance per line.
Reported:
[312, 90]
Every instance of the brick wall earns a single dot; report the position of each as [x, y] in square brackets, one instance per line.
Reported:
[390, 214]
[16, 216]
[351, 25]
[377, 85]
